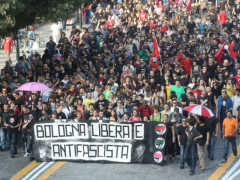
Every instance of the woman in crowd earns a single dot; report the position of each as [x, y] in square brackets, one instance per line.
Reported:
[135, 116]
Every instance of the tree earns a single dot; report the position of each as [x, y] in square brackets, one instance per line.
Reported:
[17, 14]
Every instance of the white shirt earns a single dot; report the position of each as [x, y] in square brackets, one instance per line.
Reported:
[236, 103]
[66, 111]
[55, 29]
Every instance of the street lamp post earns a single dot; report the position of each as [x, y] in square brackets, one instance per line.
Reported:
[80, 17]
[17, 47]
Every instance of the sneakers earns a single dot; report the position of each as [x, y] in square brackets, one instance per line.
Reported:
[164, 163]
[191, 173]
[181, 167]
[224, 161]
[203, 168]
[178, 156]
[171, 159]
[12, 156]
[26, 155]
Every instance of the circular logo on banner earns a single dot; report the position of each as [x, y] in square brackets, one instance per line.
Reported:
[11, 120]
[158, 157]
[160, 129]
[159, 143]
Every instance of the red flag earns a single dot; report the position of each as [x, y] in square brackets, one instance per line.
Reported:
[219, 53]
[189, 4]
[156, 51]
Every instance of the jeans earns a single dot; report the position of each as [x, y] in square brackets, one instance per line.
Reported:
[182, 152]
[202, 154]
[226, 146]
[30, 45]
[4, 140]
[88, 14]
[177, 148]
[190, 157]
[211, 145]
[64, 23]
[29, 146]
[7, 53]
[12, 138]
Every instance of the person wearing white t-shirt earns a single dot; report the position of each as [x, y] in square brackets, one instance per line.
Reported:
[56, 30]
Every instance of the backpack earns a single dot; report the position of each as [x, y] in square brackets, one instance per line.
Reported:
[153, 117]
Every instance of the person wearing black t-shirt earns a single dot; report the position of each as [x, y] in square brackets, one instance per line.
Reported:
[4, 143]
[18, 101]
[212, 98]
[205, 75]
[60, 114]
[170, 140]
[191, 147]
[182, 139]
[12, 123]
[213, 126]
[203, 99]
[27, 130]
[202, 142]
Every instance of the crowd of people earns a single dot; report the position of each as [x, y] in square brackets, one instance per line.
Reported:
[109, 72]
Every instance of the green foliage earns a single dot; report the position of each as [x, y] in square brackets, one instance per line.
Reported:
[17, 14]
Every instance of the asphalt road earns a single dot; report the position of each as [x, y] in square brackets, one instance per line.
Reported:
[89, 170]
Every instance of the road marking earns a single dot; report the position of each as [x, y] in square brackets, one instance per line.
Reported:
[24, 171]
[33, 171]
[41, 170]
[219, 172]
[229, 173]
[234, 175]
[51, 170]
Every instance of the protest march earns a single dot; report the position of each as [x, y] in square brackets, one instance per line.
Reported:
[144, 81]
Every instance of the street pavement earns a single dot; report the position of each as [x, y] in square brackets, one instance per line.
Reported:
[92, 170]
[44, 32]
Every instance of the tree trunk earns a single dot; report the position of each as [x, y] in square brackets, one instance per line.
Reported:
[17, 47]
[80, 18]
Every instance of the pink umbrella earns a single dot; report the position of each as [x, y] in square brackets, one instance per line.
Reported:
[199, 110]
[33, 86]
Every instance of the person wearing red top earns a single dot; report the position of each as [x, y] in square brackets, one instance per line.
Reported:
[110, 23]
[180, 56]
[164, 28]
[196, 92]
[186, 62]
[7, 46]
[142, 15]
[145, 109]
[152, 25]
[233, 53]
[222, 17]
[237, 77]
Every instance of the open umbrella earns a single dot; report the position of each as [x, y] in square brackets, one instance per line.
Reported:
[199, 110]
[33, 86]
